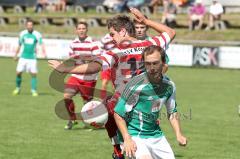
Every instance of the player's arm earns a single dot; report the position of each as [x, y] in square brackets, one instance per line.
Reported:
[88, 68]
[129, 145]
[174, 120]
[43, 50]
[15, 57]
[20, 41]
[152, 24]
[40, 41]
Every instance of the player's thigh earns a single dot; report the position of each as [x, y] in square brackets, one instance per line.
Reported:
[142, 151]
[71, 87]
[160, 148]
[21, 65]
[32, 66]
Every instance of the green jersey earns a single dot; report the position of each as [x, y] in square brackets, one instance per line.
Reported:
[29, 42]
[141, 103]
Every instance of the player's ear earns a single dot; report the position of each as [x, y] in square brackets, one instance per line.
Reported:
[164, 68]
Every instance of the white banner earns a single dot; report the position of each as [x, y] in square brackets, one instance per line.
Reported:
[181, 55]
[229, 57]
[55, 48]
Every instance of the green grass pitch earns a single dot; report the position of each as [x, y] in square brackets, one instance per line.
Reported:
[207, 99]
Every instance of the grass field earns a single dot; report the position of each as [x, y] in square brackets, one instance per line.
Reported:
[208, 101]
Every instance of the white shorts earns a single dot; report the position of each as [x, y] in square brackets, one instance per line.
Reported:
[27, 65]
[155, 148]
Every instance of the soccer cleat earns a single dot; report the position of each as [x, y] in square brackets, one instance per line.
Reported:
[16, 91]
[114, 156]
[70, 125]
[34, 93]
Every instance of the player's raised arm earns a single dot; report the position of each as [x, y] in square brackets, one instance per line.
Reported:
[152, 24]
[88, 68]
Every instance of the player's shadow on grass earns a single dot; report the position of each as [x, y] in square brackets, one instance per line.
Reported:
[46, 94]
[179, 156]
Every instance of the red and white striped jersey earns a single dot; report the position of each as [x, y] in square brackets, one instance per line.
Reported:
[84, 52]
[126, 58]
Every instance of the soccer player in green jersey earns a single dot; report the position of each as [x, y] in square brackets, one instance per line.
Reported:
[138, 109]
[28, 39]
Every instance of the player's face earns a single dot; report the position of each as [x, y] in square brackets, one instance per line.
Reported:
[141, 31]
[117, 36]
[29, 26]
[81, 30]
[154, 66]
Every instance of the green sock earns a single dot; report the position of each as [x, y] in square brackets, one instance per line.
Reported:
[18, 81]
[34, 83]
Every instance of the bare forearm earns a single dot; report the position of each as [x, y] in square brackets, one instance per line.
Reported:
[122, 126]
[89, 68]
[174, 120]
[160, 27]
[17, 50]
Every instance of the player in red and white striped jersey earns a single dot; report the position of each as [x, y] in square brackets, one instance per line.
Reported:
[82, 50]
[125, 58]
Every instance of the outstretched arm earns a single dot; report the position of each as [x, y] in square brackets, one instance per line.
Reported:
[152, 24]
[88, 68]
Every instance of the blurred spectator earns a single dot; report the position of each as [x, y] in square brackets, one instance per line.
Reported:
[61, 5]
[124, 5]
[118, 6]
[179, 2]
[169, 14]
[155, 3]
[135, 3]
[40, 6]
[216, 10]
[196, 15]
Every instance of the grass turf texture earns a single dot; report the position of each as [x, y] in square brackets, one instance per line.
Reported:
[31, 130]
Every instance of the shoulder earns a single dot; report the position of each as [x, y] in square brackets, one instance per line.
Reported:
[37, 34]
[22, 33]
[135, 83]
[170, 84]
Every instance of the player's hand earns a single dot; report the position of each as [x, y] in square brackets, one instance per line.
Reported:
[130, 147]
[15, 58]
[182, 140]
[139, 17]
[57, 65]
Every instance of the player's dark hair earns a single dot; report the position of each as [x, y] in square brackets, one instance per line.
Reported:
[83, 23]
[151, 49]
[122, 21]
[29, 21]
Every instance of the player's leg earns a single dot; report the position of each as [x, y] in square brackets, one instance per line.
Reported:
[111, 126]
[70, 90]
[86, 89]
[160, 148]
[21, 66]
[32, 68]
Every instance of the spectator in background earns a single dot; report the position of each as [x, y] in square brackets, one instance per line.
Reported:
[216, 10]
[155, 3]
[135, 3]
[196, 15]
[169, 14]
[40, 6]
[61, 5]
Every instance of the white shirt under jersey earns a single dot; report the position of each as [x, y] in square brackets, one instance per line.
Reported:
[84, 52]
[126, 58]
